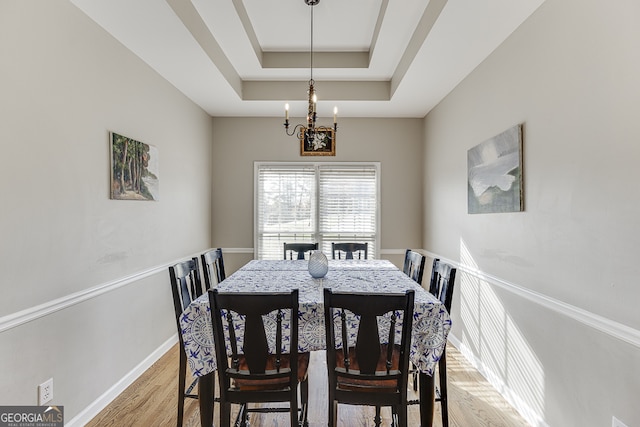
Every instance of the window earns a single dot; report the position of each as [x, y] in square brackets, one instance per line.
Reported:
[315, 202]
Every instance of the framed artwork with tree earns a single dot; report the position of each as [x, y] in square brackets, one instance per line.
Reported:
[134, 169]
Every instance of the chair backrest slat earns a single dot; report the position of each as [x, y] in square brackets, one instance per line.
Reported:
[345, 338]
[233, 342]
[443, 277]
[213, 267]
[349, 249]
[368, 343]
[279, 340]
[256, 346]
[391, 340]
[414, 265]
[299, 248]
[185, 284]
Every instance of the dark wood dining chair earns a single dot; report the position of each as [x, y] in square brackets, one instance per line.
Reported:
[299, 248]
[185, 287]
[249, 372]
[213, 267]
[414, 265]
[374, 369]
[443, 277]
[362, 249]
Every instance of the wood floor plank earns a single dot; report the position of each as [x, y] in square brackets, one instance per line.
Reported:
[151, 401]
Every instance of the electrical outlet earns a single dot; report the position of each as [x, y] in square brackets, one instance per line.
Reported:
[45, 392]
[617, 423]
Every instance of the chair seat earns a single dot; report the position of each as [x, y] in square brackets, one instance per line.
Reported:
[373, 386]
[273, 383]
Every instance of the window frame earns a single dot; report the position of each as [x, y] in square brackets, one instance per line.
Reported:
[316, 166]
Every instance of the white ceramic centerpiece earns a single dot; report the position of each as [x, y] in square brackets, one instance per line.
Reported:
[318, 264]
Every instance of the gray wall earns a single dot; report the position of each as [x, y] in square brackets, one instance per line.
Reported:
[396, 143]
[547, 300]
[85, 293]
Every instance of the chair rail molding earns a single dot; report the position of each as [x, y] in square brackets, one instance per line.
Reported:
[30, 314]
[237, 250]
[603, 324]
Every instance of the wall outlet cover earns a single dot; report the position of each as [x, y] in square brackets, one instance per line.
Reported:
[45, 392]
[617, 423]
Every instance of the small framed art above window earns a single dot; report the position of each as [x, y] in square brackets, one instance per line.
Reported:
[322, 143]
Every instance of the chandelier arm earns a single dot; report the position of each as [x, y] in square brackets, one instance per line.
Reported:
[297, 128]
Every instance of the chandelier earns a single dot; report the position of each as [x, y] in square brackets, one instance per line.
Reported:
[310, 131]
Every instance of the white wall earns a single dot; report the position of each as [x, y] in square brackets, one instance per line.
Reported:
[64, 84]
[396, 143]
[547, 298]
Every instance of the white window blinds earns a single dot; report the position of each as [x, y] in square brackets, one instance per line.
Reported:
[286, 208]
[347, 206]
[321, 203]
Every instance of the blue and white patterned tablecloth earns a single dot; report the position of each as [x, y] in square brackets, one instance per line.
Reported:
[431, 322]
[301, 265]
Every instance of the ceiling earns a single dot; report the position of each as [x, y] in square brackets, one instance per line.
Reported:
[372, 58]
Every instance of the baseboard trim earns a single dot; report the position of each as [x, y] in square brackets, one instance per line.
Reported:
[601, 323]
[505, 391]
[108, 396]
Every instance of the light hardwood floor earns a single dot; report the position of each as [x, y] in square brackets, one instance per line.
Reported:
[151, 401]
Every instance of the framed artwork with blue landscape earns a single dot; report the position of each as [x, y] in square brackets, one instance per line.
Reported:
[494, 174]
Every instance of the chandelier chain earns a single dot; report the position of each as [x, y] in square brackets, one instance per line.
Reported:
[311, 50]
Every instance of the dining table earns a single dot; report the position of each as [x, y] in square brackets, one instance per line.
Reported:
[431, 322]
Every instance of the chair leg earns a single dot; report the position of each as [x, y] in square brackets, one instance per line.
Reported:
[442, 373]
[377, 419]
[401, 416]
[394, 416]
[245, 416]
[415, 377]
[293, 410]
[333, 411]
[225, 414]
[427, 398]
[182, 379]
[304, 398]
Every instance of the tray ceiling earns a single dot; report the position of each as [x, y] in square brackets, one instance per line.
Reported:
[372, 58]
